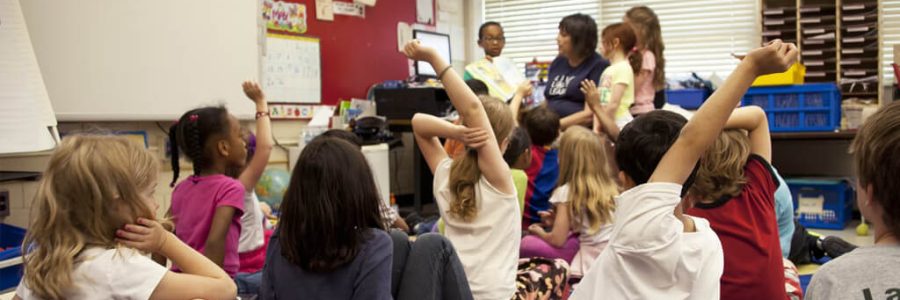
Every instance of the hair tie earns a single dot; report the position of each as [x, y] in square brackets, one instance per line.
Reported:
[634, 49]
[194, 117]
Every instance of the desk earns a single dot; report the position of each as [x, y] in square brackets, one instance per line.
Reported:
[398, 106]
[817, 154]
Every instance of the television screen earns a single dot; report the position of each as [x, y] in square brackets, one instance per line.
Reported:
[438, 41]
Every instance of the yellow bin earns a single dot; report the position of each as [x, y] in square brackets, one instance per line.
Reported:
[794, 75]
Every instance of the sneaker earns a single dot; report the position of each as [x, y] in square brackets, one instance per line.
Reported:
[835, 246]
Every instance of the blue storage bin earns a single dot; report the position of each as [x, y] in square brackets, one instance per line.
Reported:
[687, 98]
[837, 206]
[11, 240]
[798, 108]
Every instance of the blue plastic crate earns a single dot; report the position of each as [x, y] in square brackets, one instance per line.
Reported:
[837, 206]
[687, 98]
[11, 241]
[798, 108]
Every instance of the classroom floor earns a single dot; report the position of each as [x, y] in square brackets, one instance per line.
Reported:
[849, 234]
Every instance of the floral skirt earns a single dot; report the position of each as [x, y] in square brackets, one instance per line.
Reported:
[541, 278]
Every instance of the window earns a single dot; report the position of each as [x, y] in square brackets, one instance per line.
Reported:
[530, 26]
[700, 35]
[890, 36]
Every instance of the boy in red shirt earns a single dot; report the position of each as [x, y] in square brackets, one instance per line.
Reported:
[735, 191]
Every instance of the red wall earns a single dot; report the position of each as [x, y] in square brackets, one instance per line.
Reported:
[359, 52]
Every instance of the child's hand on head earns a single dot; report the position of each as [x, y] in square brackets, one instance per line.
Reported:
[524, 89]
[147, 235]
[474, 138]
[591, 94]
[252, 90]
[775, 57]
[415, 51]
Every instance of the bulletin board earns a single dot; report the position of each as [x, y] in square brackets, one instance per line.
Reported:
[292, 69]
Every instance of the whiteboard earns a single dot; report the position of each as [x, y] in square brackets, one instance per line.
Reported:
[292, 69]
[144, 60]
[27, 123]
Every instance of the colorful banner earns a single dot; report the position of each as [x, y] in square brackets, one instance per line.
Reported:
[283, 16]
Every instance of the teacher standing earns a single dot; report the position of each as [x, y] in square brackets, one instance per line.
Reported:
[578, 60]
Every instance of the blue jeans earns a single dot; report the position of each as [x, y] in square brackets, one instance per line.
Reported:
[427, 269]
[248, 284]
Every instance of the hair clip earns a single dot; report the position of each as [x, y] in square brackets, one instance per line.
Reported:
[634, 49]
[193, 117]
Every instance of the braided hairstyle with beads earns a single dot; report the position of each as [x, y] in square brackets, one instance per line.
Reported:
[190, 134]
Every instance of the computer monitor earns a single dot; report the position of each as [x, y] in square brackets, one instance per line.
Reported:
[438, 41]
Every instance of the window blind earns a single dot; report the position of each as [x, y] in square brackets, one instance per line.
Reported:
[890, 36]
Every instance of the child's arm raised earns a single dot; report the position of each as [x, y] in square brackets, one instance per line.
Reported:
[250, 176]
[523, 90]
[490, 160]
[201, 278]
[427, 129]
[696, 136]
[754, 120]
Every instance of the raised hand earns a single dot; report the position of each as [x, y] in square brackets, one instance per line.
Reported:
[147, 235]
[415, 51]
[775, 57]
[252, 90]
[524, 89]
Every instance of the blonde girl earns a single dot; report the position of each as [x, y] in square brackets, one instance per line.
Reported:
[583, 199]
[96, 224]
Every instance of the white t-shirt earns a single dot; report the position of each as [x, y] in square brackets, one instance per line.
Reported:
[650, 256]
[252, 235]
[488, 246]
[122, 273]
[590, 245]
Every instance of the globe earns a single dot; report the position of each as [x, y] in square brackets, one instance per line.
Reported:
[272, 185]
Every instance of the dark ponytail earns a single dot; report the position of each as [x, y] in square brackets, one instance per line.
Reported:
[191, 133]
[173, 151]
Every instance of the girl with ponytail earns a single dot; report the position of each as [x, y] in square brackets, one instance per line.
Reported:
[208, 205]
[616, 87]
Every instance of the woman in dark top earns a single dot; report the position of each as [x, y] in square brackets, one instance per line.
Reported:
[578, 60]
[331, 241]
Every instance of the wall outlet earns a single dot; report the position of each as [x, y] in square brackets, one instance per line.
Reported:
[4, 203]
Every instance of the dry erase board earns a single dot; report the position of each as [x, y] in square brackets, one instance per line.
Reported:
[144, 60]
[292, 69]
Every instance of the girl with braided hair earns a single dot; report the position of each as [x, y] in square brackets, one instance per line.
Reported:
[208, 205]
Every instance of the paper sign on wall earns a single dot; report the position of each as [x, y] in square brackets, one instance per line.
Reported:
[290, 17]
[324, 10]
[365, 2]
[292, 69]
[349, 9]
[404, 35]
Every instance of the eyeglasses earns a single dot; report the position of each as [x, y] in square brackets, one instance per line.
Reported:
[495, 39]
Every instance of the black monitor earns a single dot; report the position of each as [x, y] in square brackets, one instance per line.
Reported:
[438, 41]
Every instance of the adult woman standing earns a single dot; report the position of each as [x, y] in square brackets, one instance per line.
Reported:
[577, 60]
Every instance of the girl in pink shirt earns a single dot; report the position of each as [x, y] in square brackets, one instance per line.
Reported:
[207, 206]
[651, 77]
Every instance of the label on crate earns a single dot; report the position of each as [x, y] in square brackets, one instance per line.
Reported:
[810, 205]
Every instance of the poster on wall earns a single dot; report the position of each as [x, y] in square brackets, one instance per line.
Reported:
[349, 9]
[292, 69]
[283, 16]
[324, 10]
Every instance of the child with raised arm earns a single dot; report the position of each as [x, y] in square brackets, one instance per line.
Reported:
[656, 251]
[474, 191]
[735, 189]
